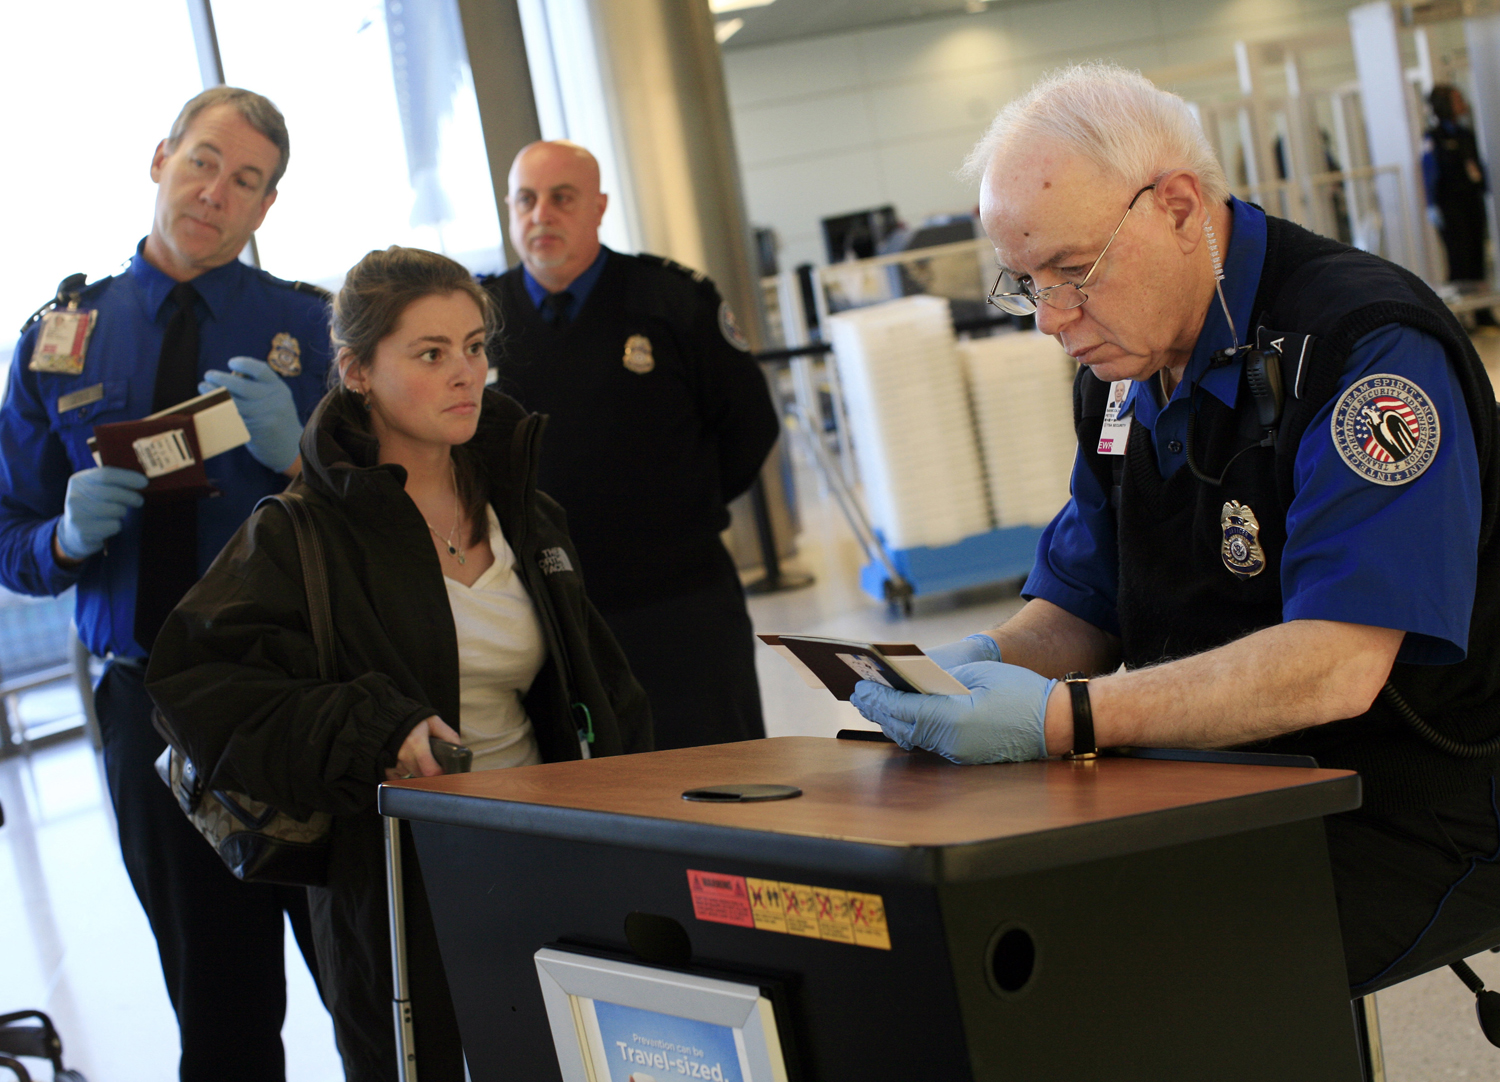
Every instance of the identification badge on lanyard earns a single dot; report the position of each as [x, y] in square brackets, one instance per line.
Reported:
[1115, 435]
[63, 340]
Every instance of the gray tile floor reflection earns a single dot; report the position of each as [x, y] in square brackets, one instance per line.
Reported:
[73, 940]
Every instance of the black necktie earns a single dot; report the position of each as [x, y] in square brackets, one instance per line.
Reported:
[169, 531]
[555, 308]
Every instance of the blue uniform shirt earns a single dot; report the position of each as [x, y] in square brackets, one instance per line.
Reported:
[1398, 556]
[579, 287]
[240, 311]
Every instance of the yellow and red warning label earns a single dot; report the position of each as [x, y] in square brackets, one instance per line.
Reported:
[839, 916]
[721, 898]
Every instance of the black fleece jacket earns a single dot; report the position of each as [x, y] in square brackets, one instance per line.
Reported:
[235, 671]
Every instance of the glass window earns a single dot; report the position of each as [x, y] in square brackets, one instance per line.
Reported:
[386, 141]
[89, 91]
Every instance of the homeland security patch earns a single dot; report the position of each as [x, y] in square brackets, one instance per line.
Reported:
[730, 329]
[1385, 428]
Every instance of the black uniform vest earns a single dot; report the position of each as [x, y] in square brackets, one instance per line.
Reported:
[1177, 597]
[631, 458]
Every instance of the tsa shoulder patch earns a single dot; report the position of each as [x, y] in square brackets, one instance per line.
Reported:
[1385, 428]
[730, 329]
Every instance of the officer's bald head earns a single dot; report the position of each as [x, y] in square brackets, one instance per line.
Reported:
[555, 210]
[557, 156]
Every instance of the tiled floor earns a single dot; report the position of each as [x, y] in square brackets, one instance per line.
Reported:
[73, 940]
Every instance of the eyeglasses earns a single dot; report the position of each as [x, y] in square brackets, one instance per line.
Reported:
[1017, 296]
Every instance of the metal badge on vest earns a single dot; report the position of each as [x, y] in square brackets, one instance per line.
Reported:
[638, 355]
[1241, 549]
[285, 357]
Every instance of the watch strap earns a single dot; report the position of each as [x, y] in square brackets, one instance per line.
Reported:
[1084, 746]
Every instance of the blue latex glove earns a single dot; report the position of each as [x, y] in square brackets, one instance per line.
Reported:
[94, 508]
[266, 406]
[1001, 720]
[951, 655]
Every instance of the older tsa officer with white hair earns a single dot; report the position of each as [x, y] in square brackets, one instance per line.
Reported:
[1283, 529]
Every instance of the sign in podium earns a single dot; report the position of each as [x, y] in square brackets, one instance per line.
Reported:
[901, 918]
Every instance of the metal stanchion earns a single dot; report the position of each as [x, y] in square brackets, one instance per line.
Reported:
[406, 1048]
[775, 579]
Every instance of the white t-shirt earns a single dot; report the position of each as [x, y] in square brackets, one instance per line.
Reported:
[500, 651]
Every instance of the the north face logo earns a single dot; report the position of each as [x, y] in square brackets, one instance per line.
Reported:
[554, 560]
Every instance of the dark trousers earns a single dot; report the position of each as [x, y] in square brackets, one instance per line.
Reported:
[695, 656]
[220, 940]
[1416, 889]
[351, 922]
[1464, 232]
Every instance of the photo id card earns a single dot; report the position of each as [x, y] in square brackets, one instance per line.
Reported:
[63, 340]
[1114, 436]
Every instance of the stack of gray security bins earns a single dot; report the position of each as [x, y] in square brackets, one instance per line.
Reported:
[909, 422]
[963, 449]
[1022, 388]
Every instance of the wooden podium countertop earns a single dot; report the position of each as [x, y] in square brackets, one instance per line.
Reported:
[871, 808]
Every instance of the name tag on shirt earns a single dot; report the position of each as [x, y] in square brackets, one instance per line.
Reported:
[78, 399]
[1114, 436]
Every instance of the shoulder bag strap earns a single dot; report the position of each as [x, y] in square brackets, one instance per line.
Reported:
[315, 576]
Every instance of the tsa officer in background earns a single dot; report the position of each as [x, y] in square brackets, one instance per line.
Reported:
[184, 317]
[1312, 569]
[659, 417]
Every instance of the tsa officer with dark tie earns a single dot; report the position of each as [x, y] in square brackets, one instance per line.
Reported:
[657, 417]
[184, 316]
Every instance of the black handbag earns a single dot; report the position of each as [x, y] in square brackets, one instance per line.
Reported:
[258, 842]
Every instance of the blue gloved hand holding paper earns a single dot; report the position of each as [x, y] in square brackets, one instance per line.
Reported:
[265, 404]
[1001, 720]
[94, 508]
[951, 655]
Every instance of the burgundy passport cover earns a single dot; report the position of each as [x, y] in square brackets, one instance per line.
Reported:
[115, 445]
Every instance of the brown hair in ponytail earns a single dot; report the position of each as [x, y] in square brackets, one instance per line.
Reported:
[378, 289]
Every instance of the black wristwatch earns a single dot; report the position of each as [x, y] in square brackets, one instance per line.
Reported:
[1083, 718]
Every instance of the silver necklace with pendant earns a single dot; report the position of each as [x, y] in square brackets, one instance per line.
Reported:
[448, 541]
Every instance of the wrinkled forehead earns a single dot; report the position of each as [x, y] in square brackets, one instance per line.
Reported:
[1040, 199]
[223, 128]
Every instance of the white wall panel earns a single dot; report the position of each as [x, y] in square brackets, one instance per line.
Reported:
[1078, 28]
[915, 50]
[802, 193]
[946, 102]
[918, 175]
[886, 115]
[796, 69]
[821, 125]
